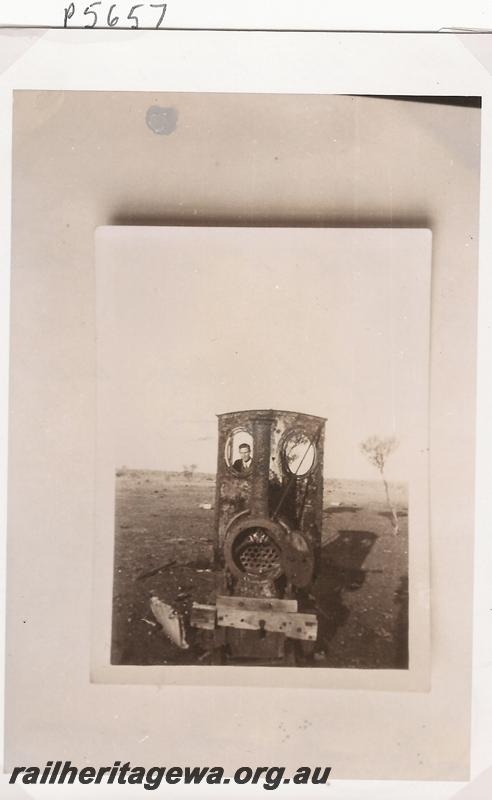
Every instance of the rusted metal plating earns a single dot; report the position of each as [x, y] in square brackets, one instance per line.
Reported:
[269, 515]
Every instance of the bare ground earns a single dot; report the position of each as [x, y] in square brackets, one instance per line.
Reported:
[164, 547]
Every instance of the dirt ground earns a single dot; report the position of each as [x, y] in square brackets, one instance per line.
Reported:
[164, 547]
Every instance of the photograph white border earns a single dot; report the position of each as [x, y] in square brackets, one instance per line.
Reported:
[417, 676]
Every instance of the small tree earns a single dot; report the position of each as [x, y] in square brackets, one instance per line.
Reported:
[193, 467]
[377, 450]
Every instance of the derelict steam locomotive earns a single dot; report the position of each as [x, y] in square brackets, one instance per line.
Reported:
[269, 503]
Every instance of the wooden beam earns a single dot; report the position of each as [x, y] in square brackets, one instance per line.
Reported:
[203, 616]
[256, 603]
[294, 626]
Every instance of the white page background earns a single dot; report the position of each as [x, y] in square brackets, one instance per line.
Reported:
[58, 61]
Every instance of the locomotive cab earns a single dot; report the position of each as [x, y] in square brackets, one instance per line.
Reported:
[269, 503]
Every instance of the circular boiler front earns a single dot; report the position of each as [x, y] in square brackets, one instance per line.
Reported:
[253, 547]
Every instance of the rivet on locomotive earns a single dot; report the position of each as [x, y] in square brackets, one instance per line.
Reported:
[269, 504]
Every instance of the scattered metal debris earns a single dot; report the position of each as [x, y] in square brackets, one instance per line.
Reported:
[155, 571]
[204, 655]
[171, 622]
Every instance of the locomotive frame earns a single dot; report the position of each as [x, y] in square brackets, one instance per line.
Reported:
[268, 519]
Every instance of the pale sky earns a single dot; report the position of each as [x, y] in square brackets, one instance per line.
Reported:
[199, 321]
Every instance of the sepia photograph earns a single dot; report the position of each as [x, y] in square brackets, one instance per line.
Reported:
[266, 391]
